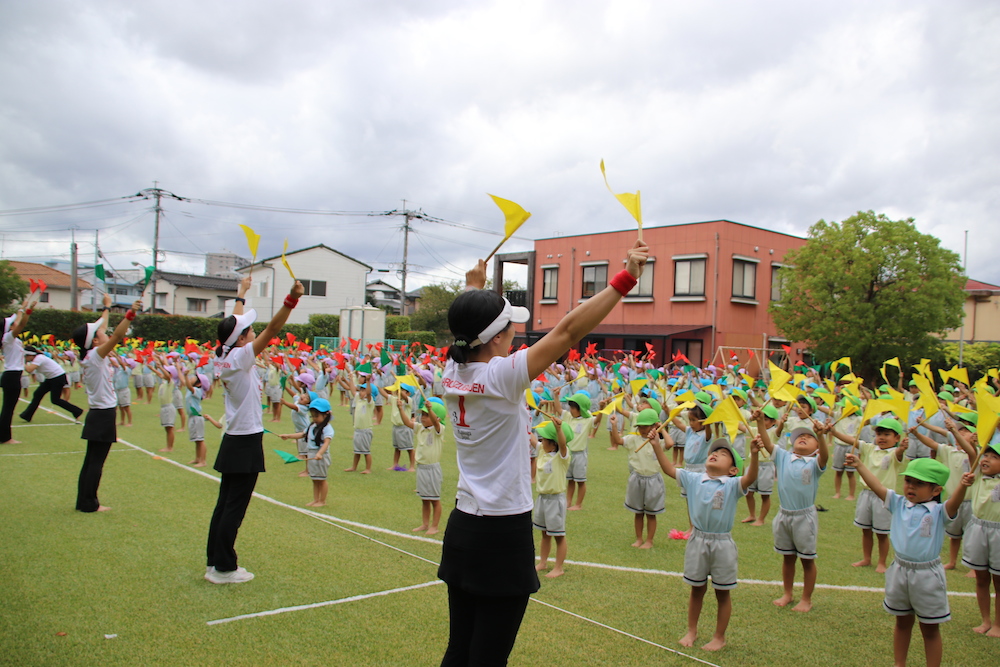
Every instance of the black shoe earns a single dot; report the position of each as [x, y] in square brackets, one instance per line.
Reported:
[27, 419]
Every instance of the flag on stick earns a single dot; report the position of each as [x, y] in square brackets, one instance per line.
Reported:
[285, 261]
[630, 201]
[514, 217]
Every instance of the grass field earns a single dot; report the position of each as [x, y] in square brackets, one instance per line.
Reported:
[125, 587]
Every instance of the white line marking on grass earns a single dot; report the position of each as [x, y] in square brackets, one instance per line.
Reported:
[36, 425]
[316, 605]
[57, 453]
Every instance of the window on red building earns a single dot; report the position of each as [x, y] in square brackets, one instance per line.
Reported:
[595, 279]
[644, 288]
[689, 277]
[744, 279]
[777, 283]
[689, 348]
[550, 283]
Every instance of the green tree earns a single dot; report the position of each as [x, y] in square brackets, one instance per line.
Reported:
[432, 313]
[977, 357]
[870, 288]
[12, 287]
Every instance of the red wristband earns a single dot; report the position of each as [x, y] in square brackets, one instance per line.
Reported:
[623, 282]
[129, 315]
[28, 311]
[291, 302]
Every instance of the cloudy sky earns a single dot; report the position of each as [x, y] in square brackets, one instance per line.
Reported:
[774, 114]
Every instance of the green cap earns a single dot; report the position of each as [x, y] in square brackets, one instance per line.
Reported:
[883, 388]
[723, 443]
[547, 430]
[703, 397]
[891, 425]
[707, 409]
[928, 470]
[742, 394]
[946, 396]
[969, 417]
[647, 417]
[770, 412]
[582, 401]
[438, 409]
[808, 399]
[948, 388]
[655, 406]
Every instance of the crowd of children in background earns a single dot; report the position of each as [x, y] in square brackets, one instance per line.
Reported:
[721, 432]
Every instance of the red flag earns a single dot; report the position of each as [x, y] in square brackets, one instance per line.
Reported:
[591, 349]
[203, 361]
[354, 344]
[787, 349]
[274, 341]
[378, 345]
[430, 348]
[444, 351]
[750, 352]
[41, 285]
[649, 351]
[574, 354]
[541, 378]
[32, 284]
[290, 337]
[278, 359]
[304, 348]
[734, 357]
[296, 362]
[524, 346]
[402, 348]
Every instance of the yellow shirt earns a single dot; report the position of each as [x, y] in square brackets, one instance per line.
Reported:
[985, 496]
[363, 413]
[551, 472]
[883, 464]
[429, 444]
[581, 431]
[644, 460]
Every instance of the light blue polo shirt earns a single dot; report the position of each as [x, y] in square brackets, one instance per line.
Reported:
[797, 478]
[695, 446]
[711, 500]
[917, 530]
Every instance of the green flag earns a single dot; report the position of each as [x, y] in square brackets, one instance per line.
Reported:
[99, 273]
[385, 358]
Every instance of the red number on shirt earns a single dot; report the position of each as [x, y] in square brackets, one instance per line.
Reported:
[461, 412]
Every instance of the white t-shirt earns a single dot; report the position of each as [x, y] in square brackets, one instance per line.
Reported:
[487, 410]
[13, 352]
[97, 380]
[47, 367]
[243, 391]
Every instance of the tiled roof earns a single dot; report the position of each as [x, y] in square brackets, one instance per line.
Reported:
[204, 282]
[977, 286]
[52, 277]
[639, 330]
[318, 245]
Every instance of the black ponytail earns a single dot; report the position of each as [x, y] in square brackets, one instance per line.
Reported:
[318, 430]
[469, 314]
[224, 331]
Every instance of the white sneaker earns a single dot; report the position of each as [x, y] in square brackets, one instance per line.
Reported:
[208, 570]
[237, 576]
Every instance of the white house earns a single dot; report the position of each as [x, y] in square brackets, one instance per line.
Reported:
[190, 294]
[58, 294]
[332, 281]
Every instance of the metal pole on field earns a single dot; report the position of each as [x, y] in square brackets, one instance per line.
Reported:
[961, 331]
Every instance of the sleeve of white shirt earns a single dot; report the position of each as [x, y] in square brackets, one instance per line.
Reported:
[509, 376]
[244, 358]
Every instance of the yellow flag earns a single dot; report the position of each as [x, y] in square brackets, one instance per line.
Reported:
[529, 396]
[993, 373]
[924, 368]
[960, 374]
[788, 392]
[679, 409]
[285, 261]
[714, 388]
[899, 407]
[612, 406]
[892, 362]
[848, 410]
[253, 240]
[513, 214]
[628, 200]
[401, 380]
[845, 361]
[686, 396]
[728, 414]
[989, 416]
[637, 385]
[779, 378]
[928, 401]
[582, 372]
[749, 380]
[955, 408]
[898, 395]
[831, 387]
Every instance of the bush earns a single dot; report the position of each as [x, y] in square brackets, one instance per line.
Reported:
[425, 337]
[396, 326]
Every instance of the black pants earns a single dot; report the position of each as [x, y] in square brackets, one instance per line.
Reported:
[483, 628]
[10, 384]
[90, 475]
[235, 492]
[53, 387]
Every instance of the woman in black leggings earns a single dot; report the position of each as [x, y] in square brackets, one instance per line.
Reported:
[10, 381]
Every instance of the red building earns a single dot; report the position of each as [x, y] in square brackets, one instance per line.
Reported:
[705, 291]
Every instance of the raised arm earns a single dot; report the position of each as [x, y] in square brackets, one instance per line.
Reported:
[119, 332]
[274, 326]
[871, 480]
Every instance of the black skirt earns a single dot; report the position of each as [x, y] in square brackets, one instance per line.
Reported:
[241, 453]
[99, 425]
[489, 555]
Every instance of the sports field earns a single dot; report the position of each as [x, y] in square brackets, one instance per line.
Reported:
[351, 585]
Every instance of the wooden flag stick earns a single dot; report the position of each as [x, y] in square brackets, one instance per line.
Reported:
[494, 251]
[664, 425]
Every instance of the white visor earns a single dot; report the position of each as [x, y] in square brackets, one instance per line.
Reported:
[8, 322]
[516, 314]
[91, 331]
[242, 322]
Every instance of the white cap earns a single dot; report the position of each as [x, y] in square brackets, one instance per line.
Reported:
[91, 331]
[242, 322]
[516, 314]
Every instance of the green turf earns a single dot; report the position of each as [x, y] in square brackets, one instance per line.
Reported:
[136, 571]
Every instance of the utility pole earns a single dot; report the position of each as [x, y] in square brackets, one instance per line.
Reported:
[961, 332]
[93, 288]
[157, 193]
[406, 245]
[72, 271]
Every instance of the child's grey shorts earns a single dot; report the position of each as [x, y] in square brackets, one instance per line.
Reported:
[168, 415]
[839, 456]
[124, 397]
[178, 399]
[550, 513]
[764, 484]
[645, 494]
[577, 470]
[981, 550]
[872, 514]
[429, 481]
[712, 554]
[318, 469]
[273, 392]
[363, 441]
[957, 528]
[196, 428]
[795, 532]
[402, 437]
[919, 589]
[303, 446]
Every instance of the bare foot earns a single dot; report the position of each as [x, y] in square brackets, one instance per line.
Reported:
[949, 566]
[646, 545]
[321, 504]
[540, 567]
[420, 529]
[432, 530]
[866, 562]
[994, 631]
[749, 519]
[714, 645]
[193, 463]
[200, 464]
[11, 442]
[688, 639]
[803, 606]
[758, 523]
[556, 572]
[612, 448]
[411, 470]
[350, 469]
[836, 496]
[984, 628]
[573, 508]
[971, 574]
[167, 449]
[275, 420]
[367, 471]
[881, 568]
[305, 473]
[783, 601]
[127, 425]
[312, 504]
[637, 543]
[102, 508]
[850, 497]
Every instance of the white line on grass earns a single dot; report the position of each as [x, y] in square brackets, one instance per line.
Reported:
[315, 605]
[35, 425]
[57, 453]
